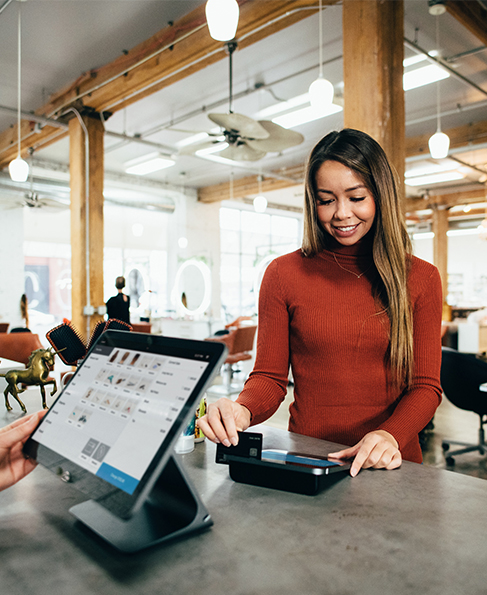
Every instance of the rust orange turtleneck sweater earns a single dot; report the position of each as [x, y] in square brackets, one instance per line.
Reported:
[318, 317]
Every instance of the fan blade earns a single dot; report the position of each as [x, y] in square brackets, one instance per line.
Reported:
[191, 149]
[238, 123]
[279, 138]
[241, 152]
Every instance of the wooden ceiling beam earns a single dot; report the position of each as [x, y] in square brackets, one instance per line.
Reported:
[174, 53]
[446, 201]
[471, 15]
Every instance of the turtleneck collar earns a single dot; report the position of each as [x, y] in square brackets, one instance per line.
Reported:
[361, 248]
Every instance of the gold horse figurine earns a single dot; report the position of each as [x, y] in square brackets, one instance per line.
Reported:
[37, 374]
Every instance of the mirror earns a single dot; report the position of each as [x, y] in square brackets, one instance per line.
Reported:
[192, 288]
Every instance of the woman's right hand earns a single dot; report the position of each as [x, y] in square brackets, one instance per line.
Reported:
[223, 420]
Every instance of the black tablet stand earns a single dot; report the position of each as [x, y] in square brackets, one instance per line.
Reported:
[173, 509]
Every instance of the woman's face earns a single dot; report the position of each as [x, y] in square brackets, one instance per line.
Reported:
[345, 206]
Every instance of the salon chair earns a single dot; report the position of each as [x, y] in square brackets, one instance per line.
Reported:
[461, 376]
[19, 346]
[240, 343]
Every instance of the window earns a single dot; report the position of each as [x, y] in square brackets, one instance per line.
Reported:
[246, 240]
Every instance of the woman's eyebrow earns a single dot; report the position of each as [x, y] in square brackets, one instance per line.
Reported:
[356, 187]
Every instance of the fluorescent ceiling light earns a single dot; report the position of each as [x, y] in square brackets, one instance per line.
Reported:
[430, 168]
[222, 160]
[196, 138]
[305, 115]
[418, 58]
[147, 164]
[423, 76]
[216, 148]
[283, 106]
[448, 176]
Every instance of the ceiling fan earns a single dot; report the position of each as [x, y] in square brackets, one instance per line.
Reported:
[247, 139]
[33, 200]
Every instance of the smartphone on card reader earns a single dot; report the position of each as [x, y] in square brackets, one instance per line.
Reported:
[284, 470]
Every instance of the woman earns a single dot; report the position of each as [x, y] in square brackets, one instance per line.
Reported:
[356, 316]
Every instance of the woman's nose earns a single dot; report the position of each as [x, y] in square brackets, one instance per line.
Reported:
[343, 210]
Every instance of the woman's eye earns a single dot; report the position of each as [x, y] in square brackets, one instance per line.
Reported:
[321, 203]
[357, 198]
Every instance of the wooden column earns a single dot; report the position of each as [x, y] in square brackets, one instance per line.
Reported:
[373, 52]
[86, 248]
[440, 245]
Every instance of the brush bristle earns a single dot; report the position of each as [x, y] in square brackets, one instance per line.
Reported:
[97, 331]
[101, 327]
[117, 325]
[66, 338]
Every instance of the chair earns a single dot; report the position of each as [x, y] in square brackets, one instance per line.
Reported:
[4, 327]
[240, 342]
[461, 376]
[19, 346]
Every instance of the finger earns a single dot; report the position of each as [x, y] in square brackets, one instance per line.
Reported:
[204, 426]
[346, 453]
[18, 431]
[396, 461]
[221, 418]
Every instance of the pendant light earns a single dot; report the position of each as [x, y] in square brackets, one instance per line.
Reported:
[439, 143]
[321, 91]
[18, 168]
[260, 201]
[222, 19]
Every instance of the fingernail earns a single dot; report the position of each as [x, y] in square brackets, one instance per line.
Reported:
[234, 441]
[353, 472]
[226, 442]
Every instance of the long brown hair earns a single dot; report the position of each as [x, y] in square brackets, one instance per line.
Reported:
[391, 243]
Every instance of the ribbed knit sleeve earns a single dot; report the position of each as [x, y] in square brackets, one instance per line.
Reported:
[266, 386]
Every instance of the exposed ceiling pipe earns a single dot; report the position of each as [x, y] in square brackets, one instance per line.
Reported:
[414, 46]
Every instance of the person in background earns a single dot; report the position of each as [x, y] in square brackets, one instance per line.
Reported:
[355, 315]
[13, 464]
[23, 327]
[118, 305]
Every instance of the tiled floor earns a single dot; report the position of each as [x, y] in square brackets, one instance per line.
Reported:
[449, 423]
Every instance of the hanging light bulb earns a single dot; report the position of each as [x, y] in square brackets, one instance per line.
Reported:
[18, 168]
[439, 143]
[222, 19]
[260, 201]
[321, 91]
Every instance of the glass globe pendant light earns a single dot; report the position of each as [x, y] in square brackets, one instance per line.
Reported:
[321, 91]
[18, 168]
[222, 19]
[439, 143]
[260, 201]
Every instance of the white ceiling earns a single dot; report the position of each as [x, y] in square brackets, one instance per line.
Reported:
[61, 39]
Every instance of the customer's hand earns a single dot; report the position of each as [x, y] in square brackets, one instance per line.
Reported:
[13, 465]
[377, 449]
[223, 420]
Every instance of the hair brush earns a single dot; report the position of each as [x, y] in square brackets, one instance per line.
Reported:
[67, 342]
[102, 326]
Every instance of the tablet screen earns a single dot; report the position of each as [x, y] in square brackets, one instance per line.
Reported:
[125, 402]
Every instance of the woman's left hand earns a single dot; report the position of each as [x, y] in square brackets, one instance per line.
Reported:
[377, 449]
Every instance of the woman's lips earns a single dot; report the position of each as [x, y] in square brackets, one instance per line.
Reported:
[345, 230]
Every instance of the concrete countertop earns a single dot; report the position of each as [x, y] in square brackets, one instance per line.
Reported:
[409, 531]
